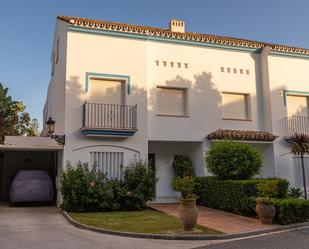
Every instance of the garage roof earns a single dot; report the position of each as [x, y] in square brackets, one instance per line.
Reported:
[30, 143]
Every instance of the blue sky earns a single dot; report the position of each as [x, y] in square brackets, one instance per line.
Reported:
[27, 28]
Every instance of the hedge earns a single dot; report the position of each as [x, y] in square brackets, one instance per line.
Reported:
[233, 195]
[291, 210]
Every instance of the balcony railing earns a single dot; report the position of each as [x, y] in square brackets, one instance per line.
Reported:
[116, 119]
[296, 124]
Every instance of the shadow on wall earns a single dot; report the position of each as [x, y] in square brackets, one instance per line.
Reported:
[204, 98]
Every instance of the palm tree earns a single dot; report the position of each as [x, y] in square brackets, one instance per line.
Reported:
[300, 147]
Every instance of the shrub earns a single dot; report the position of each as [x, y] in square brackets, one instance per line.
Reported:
[184, 185]
[267, 190]
[291, 210]
[236, 196]
[295, 192]
[232, 160]
[86, 190]
[182, 166]
[139, 179]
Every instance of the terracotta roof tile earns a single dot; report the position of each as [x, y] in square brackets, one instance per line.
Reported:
[152, 31]
[241, 135]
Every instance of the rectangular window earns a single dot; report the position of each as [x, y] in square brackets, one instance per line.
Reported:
[297, 105]
[105, 91]
[172, 101]
[236, 106]
[110, 163]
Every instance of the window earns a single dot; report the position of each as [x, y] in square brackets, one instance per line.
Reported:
[172, 101]
[105, 91]
[236, 106]
[297, 105]
[110, 163]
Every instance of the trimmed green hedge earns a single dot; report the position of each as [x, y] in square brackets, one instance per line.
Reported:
[291, 210]
[233, 196]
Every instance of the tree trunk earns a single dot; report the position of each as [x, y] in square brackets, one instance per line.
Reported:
[304, 175]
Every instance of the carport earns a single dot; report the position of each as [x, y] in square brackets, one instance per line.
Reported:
[31, 153]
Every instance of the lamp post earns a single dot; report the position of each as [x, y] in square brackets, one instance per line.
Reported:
[60, 139]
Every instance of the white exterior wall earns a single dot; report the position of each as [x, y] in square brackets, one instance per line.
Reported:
[285, 74]
[205, 83]
[94, 53]
[102, 54]
[55, 100]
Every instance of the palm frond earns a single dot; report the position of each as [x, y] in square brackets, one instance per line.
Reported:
[300, 144]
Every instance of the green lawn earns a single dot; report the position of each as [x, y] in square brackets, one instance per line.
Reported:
[146, 221]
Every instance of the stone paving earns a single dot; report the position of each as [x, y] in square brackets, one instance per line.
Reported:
[221, 221]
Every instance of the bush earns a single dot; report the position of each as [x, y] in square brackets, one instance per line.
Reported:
[236, 196]
[140, 180]
[267, 190]
[184, 185]
[182, 166]
[86, 190]
[295, 192]
[291, 210]
[232, 160]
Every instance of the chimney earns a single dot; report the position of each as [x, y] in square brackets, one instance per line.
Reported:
[177, 26]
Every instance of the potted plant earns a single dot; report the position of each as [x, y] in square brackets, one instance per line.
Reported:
[264, 202]
[187, 209]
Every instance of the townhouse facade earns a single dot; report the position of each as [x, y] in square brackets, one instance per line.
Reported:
[121, 93]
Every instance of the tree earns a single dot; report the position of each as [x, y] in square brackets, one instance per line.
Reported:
[13, 118]
[300, 147]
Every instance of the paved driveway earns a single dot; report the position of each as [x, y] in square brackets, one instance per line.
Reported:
[294, 239]
[44, 227]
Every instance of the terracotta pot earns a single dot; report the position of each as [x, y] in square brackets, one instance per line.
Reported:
[188, 213]
[266, 213]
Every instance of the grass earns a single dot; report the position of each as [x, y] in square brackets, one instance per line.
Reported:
[146, 221]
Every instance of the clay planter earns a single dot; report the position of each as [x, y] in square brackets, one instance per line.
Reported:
[188, 213]
[266, 213]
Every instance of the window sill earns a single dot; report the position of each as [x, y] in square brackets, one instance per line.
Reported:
[175, 116]
[236, 119]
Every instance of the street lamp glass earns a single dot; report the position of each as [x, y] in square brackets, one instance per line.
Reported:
[50, 125]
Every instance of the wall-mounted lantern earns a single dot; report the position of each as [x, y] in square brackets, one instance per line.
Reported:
[50, 123]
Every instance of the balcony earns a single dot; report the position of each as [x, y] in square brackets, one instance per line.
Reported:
[296, 124]
[109, 120]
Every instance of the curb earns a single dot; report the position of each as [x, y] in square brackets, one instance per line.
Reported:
[181, 237]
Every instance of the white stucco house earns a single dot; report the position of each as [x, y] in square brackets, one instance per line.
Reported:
[122, 92]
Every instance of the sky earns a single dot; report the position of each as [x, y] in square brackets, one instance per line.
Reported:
[27, 28]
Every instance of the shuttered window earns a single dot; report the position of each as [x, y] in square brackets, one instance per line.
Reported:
[109, 163]
[105, 91]
[235, 106]
[171, 101]
[297, 105]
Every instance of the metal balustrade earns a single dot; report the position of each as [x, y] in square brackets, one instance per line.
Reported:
[296, 124]
[109, 116]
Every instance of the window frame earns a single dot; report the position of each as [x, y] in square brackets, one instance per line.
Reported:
[247, 102]
[186, 101]
[296, 95]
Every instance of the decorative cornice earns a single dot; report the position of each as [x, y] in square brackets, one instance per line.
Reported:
[187, 36]
[221, 134]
